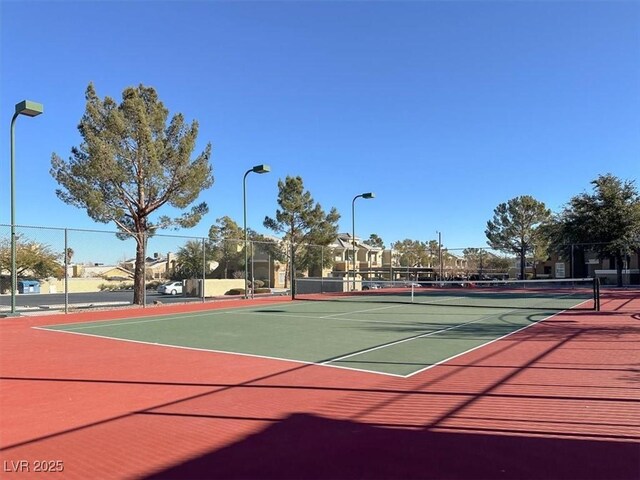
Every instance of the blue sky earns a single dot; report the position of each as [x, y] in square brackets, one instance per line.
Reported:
[443, 109]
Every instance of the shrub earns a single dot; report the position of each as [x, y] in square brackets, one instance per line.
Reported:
[112, 287]
[258, 283]
[235, 291]
[154, 284]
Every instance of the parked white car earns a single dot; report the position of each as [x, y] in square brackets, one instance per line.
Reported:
[171, 288]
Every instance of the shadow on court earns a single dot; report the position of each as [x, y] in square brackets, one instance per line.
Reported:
[308, 446]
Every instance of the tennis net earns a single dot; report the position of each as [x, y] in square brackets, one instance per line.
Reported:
[555, 294]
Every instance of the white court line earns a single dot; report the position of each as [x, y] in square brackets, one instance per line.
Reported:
[253, 355]
[488, 343]
[453, 327]
[484, 344]
[396, 305]
[161, 317]
[324, 317]
[117, 323]
[165, 317]
[397, 342]
[324, 363]
[366, 310]
[311, 317]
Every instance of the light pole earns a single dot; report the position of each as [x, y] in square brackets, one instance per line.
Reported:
[29, 109]
[257, 169]
[353, 229]
[440, 253]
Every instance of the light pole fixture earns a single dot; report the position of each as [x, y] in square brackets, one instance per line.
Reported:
[29, 109]
[257, 169]
[353, 230]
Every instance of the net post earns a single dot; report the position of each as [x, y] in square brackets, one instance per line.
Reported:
[596, 294]
[412, 287]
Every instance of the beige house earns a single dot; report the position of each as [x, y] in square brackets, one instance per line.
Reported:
[108, 272]
[370, 263]
[265, 267]
[368, 259]
[157, 267]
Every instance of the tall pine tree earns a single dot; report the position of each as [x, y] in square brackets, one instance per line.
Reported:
[130, 164]
[302, 222]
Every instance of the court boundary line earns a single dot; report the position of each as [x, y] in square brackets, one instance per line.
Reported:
[218, 311]
[159, 317]
[404, 340]
[429, 334]
[424, 335]
[252, 355]
[325, 363]
[485, 344]
[308, 317]
[233, 311]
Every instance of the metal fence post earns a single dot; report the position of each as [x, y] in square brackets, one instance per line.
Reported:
[144, 270]
[253, 280]
[322, 268]
[572, 261]
[204, 265]
[292, 272]
[66, 271]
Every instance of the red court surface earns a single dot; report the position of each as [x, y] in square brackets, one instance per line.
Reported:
[560, 399]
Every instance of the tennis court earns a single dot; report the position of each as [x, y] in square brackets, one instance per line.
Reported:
[547, 386]
[396, 331]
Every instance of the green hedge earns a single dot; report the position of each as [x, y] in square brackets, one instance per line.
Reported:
[240, 291]
[235, 291]
[114, 288]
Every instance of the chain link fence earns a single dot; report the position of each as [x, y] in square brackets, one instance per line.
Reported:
[63, 268]
[66, 269]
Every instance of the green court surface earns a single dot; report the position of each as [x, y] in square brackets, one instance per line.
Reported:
[389, 338]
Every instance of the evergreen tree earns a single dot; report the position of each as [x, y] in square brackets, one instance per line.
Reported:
[608, 218]
[227, 238]
[130, 164]
[302, 222]
[374, 241]
[515, 227]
